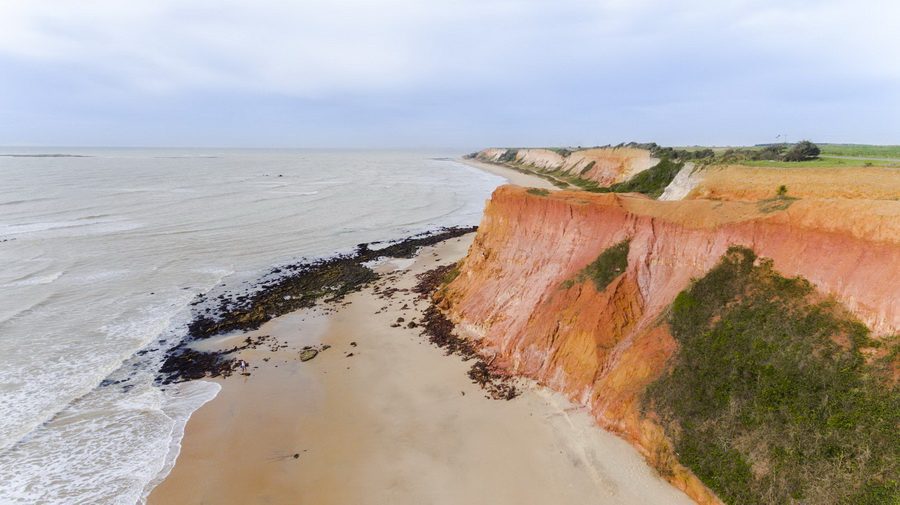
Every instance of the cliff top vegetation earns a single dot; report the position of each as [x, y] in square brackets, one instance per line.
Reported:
[776, 396]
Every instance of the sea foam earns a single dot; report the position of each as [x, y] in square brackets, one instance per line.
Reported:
[103, 257]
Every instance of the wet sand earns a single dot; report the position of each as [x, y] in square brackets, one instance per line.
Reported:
[384, 417]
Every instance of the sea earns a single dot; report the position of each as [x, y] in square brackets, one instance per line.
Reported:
[102, 252]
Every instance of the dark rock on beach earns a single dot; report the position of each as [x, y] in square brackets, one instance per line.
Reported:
[439, 331]
[295, 286]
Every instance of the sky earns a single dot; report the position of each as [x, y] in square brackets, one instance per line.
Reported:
[447, 73]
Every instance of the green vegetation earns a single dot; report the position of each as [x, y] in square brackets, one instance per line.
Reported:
[508, 159]
[651, 182]
[807, 154]
[801, 154]
[821, 162]
[538, 191]
[584, 184]
[770, 398]
[781, 201]
[509, 156]
[802, 151]
[697, 153]
[451, 274]
[561, 151]
[611, 263]
[860, 150]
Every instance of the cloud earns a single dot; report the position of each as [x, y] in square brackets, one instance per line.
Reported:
[513, 60]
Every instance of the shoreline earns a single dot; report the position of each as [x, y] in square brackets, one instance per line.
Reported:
[281, 290]
[513, 176]
[380, 415]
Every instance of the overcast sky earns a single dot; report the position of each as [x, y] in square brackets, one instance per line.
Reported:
[443, 73]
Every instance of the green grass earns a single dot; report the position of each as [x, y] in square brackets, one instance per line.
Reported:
[765, 405]
[821, 162]
[451, 274]
[860, 150]
[538, 191]
[610, 264]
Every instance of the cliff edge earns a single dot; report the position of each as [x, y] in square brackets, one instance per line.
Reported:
[524, 290]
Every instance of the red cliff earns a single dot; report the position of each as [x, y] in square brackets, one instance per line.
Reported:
[603, 348]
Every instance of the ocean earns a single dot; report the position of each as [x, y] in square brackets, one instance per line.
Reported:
[102, 251]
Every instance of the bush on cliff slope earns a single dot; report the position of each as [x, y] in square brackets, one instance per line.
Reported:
[509, 156]
[770, 398]
[651, 182]
[611, 263]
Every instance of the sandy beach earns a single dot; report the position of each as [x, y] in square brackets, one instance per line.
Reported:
[382, 416]
[513, 176]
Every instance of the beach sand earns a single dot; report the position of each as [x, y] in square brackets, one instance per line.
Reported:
[513, 176]
[384, 417]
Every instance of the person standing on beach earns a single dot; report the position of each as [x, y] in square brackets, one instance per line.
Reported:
[243, 365]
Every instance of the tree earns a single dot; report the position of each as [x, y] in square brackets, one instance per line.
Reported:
[802, 151]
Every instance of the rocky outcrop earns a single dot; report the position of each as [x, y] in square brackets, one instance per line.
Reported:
[605, 166]
[603, 348]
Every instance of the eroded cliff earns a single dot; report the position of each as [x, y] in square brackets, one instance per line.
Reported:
[605, 166]
[522, 294]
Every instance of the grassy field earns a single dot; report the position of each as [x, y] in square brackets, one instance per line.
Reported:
[851, 150]
[821, 162]
[860, 150]
[832, 155]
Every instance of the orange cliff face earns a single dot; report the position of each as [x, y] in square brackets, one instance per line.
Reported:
[604, 165]
[603, 348]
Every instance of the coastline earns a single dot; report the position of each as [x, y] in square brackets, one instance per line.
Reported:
[513, 176]
[382, 416]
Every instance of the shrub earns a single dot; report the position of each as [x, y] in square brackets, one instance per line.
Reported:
[610, 264]
[769, 398]
[651, 182]
[802, 151]
[770, 152]
[702, 154]
[561, 151]
[509, 156]
[538, 191]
